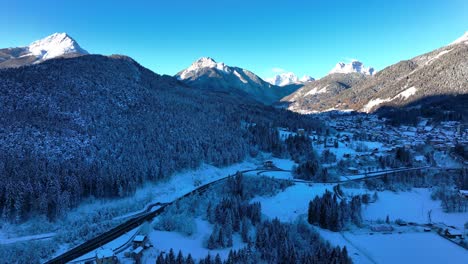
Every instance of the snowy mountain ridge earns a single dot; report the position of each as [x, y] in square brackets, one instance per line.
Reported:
[354, 66]
[289, 78]
[205, 73]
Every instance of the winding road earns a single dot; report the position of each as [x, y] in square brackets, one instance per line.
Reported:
[149, 214]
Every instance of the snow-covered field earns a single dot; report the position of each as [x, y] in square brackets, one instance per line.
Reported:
[408, 247]
[291, 203]
[195, 244]
[411, 206]
[7, 240]
[428, 248]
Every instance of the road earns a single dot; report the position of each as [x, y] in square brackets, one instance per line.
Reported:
[149, 214]
[121, 229]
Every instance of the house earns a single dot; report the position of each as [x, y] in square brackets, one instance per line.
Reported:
[301, 131]
[268, 164]
[353, 170]
[106, 256]
[453, 233]
[136, 254]
[140, 241]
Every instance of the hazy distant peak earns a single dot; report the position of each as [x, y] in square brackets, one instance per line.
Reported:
[353, 66]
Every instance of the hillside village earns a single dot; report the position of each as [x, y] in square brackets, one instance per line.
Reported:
[442, 136]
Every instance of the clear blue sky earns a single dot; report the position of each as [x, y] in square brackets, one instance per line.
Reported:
[305, 37]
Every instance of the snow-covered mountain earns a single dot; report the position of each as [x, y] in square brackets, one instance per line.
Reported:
[289, 78]
[206, 73]
[53, 46]
[435, 76]
[354, 66]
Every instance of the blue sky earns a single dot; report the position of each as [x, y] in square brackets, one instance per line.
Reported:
[305, 37]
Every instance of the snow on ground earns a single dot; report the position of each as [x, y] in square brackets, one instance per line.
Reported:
[8, 240]
[163, 241]
[352, 148]
[374, 102]
[337, 239]
[438, 56]
[428, 248]
[184, 182]
[444, 160]
[292, 202]
[406, 93]
[410, 206]
[278, 174]
[112, 246]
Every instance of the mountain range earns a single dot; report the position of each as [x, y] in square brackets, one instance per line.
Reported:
[348, 86]
[206, 73]
[441, 72]
[289, 78]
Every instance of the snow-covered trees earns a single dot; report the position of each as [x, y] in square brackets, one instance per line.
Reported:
[231, 215]
[329, 213]
[101, 126]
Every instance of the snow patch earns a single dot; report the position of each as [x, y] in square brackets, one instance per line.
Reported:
[373, 103]
[437, 56]
[240, 77]
[406, 93]
[317, 90]
[463, 39]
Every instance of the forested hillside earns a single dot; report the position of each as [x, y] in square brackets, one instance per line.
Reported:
[101, 126]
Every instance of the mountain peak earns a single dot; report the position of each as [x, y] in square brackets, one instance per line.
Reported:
[288, 78]
[462, 39]
[205, 60]
[353, 66]
[202, 63]
[55, 45]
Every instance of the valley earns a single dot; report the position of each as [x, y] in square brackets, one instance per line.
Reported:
[234, 133]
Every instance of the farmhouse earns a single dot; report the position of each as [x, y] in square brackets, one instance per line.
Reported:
[105, 256]
[140, 241]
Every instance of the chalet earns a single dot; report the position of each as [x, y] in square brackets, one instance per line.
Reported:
[453, 233]
[140, 241]
[105, 256]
